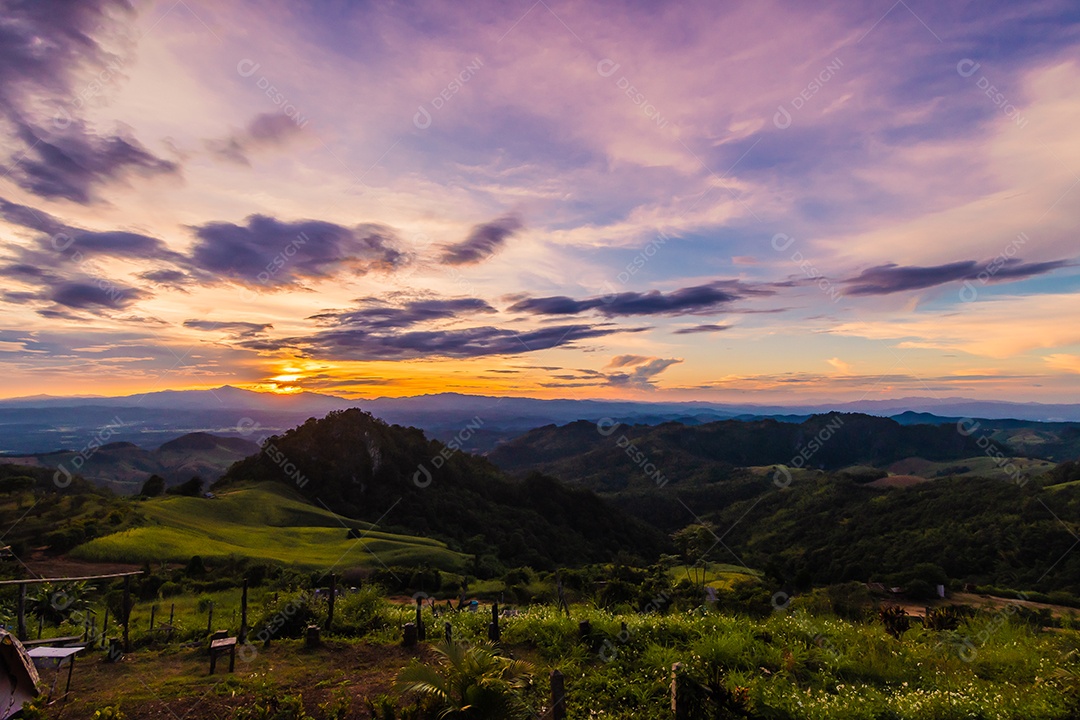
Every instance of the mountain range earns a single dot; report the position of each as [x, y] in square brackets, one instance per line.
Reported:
[124, 466]
[47, 423]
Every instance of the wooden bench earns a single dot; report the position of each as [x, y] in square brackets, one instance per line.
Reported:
[219, 645]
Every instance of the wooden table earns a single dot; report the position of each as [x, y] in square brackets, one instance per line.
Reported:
[54, 657]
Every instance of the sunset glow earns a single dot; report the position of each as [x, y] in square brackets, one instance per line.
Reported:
[752, 201]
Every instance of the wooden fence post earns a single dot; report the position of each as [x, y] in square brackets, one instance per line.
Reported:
[243, 613]
[210, 619]
[105, 626]
[493, 629]
[21, 613]
[562, 596]
[127, 612]
[558, 696]
[679, 705]
[330, 602]
[421, 630]
[153, 614]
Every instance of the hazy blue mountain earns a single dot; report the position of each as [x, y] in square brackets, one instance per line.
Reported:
[45, 423]
[124, 466]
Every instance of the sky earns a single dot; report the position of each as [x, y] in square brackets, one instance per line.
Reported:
[728, 201]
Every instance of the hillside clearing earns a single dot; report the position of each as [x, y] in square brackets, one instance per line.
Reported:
[264, 523]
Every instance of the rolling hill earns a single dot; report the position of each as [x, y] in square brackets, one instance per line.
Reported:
[617, 459]
[266, 522]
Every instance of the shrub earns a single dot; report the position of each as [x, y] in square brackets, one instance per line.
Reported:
[895, 619]
[188, 488]
[195, 567]
[360, 612]
[154, 486]
[287, 616]
[169, 589]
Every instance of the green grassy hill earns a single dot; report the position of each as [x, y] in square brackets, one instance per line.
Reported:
[267, 522]
[977, 466]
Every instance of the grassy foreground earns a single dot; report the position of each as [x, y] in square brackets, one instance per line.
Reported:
[791, 664]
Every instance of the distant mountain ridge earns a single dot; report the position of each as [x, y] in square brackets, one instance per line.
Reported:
[225, 397]
[123, 466]
[231, 397]
[42, 424]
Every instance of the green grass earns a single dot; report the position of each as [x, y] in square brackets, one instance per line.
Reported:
[980, 466]
[792, 664]
[719, 575]
[264, 522]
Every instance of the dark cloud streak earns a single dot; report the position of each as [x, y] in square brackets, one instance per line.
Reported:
[483, 242]
[379, 316]
[690, 300]
[892, 278]
[360, 344]
[235, 328]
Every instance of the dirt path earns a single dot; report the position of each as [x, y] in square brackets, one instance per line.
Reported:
[989, 601]
[45, 565]
[983, 602]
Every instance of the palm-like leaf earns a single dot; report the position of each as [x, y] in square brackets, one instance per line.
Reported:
[470, 682]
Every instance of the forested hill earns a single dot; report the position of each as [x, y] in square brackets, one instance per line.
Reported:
[599, 457]
[363, 468]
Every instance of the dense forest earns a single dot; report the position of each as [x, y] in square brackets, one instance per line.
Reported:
[363, 468]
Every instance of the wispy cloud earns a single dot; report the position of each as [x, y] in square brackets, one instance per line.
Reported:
[892, 278]
[483, 242]
[684, 301]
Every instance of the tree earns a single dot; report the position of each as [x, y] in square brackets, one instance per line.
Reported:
[470, 682]
[154, 486]
[189, 488]
[694, 543]
[17, 483]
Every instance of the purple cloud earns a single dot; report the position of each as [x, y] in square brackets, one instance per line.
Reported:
[272, 253]
[892, 278]
[362, 344]
[483, 242]
[688, 300]
[265, 130]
